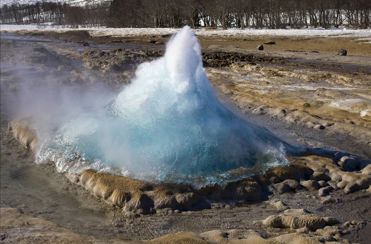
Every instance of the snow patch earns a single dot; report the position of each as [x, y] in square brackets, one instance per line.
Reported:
[364, 34]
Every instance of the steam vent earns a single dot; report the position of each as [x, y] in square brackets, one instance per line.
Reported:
[167, 125]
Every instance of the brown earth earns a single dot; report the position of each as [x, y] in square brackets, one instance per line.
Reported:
[39, 191]
[292, 44]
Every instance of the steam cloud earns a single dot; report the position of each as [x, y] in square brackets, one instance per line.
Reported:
[167, 125]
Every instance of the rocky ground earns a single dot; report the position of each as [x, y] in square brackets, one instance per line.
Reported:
[303, 96]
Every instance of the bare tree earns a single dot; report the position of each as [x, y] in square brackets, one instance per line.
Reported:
[197, 13]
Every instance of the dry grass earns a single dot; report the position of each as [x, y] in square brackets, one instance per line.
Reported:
[322, 45]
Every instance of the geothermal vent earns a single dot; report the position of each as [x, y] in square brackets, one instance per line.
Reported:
[167, 125]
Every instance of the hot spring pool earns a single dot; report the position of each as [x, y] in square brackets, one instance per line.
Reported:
[167, 125]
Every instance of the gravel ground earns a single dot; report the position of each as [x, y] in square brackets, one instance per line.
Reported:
[40, 191]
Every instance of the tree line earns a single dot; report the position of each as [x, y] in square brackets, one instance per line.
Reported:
[55, 13]
[196, 13]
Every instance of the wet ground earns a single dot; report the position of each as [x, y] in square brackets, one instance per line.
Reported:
[40, 191]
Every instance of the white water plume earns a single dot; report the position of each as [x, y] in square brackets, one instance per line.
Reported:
[167, 125]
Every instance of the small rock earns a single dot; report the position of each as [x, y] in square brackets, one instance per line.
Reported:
[3, 236]
[337, 236]
[343, 52]
[139, 211]
[279, 205]
[319, 127]
[309, 124]
[286, 186]
[322, 183]
[310, 185]
[279, 113]
[335, 177]
[327, 200]
[324, 191]
[346, 224]
[349, 164]
[292, 183]
[260, 47]
[260, 110]
[357, 185]
[332, 184]
[328, 233]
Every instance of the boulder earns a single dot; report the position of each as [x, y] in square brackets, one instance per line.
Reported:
[165, 199]
[310, 221]
[24, 132]
[191, 201]
[348, 163]
[348, 181]
[247, 190]
[140, 196]
[293, 171]
[287, 186]
[139, 202]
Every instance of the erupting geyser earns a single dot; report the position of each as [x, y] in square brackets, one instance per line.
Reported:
[167, 125]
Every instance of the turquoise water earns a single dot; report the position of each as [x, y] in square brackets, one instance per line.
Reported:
[167, 125]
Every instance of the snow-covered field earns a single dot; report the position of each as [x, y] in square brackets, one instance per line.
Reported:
[364, 34]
